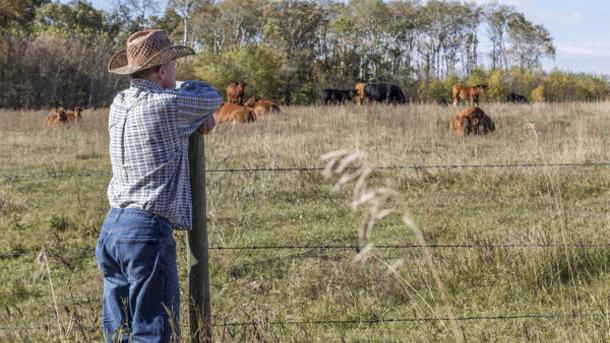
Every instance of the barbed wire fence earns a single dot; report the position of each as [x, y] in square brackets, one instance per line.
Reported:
[357, 248]
[533, 316]
[326, 247]
[59, 174]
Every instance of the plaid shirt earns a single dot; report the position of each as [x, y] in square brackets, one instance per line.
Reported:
[149, 129]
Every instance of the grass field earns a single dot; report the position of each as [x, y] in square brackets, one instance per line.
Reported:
[54, 208]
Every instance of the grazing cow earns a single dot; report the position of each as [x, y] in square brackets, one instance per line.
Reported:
[56, 116]
[384, 92]
[468, 93]
[75, 115]
[234, 113]
[360, 94]
[261, 107]
[472, 120]
[236, 92]
[337, 96]
[516, 98]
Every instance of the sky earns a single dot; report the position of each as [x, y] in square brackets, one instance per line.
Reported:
[580, 30]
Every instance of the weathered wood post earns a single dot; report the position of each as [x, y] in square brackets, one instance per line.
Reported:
[197, 247]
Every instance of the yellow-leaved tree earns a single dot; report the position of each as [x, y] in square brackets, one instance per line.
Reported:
[538, 94]
[498, 87]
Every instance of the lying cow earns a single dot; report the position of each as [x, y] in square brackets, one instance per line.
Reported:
[233, 113]
[56, 116]
[384, 92]
[470, 94]
[472, 120]
[236, 92]
[337, 96]
[261, 107]
[516, 98]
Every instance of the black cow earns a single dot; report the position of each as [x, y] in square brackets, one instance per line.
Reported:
[337, 96]
[384, 92]
[516, 98]
[442, 101]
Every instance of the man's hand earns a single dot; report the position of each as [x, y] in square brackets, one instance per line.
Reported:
[207, 125]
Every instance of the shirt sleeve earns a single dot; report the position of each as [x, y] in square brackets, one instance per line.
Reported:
[195, 100]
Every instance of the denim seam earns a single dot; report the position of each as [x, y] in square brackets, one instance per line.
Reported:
[163, 257]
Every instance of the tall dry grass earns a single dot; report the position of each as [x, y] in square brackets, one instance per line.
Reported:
[518, 205]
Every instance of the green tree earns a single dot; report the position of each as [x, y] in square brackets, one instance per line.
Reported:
[256, 65]
[529, 42]
[80, 18]
[292, 26]
[497, 17]
[477, 76]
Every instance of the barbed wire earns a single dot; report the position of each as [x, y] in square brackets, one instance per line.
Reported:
[418, 246]
[421, 319]
[53, 175]
[316, 169]
[422, 166]
[16, 254]
[370, 321]
[357, 247]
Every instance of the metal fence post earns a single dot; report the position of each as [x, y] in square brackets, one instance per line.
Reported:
[197, 247]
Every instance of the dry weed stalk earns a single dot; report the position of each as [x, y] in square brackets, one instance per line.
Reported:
[43, 263]
[556, 199]
[376, 204]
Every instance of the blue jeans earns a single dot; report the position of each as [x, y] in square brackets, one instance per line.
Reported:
[136, 252]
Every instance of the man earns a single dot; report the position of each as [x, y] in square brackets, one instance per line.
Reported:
[149, 192]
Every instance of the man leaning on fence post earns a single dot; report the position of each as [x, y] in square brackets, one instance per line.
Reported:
[149, 193]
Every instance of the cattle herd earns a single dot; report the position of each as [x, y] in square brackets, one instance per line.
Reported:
[470, 121]
[237, 109]
[374, 92]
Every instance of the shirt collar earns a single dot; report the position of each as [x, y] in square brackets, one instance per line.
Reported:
[145, 85]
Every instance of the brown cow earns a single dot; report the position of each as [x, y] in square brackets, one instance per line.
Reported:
[472, 120]
[468, 93]
[234, 113]
[360, 94]
[75, 115]
[261, 107]
[235, 92]
[56, 116]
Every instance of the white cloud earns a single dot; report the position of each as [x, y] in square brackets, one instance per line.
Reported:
[503, 2]
[584, 49]
[586, 56]
[559, 17]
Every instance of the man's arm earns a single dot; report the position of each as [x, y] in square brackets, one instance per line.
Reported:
[207, 125]
[196, 103]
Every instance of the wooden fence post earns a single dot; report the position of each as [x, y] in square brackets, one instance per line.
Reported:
[197, 247]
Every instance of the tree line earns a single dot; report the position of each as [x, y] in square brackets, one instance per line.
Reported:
[287, 50]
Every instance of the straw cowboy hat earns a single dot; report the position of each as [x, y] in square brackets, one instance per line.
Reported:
[146, 49]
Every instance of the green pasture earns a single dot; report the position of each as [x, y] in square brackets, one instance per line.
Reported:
[53, 195]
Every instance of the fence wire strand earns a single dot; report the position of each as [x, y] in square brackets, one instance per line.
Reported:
[421, 319]
[499, 317]
[356, 247]
[317, 169]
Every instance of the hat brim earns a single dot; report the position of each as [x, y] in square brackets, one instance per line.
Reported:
[118, 63]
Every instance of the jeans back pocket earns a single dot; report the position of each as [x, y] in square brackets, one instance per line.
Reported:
[138, 256]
